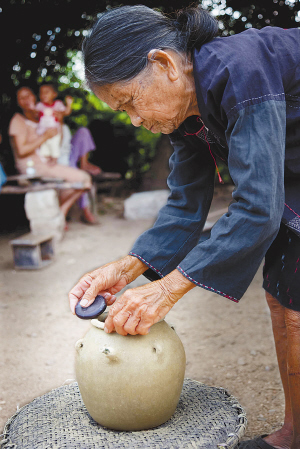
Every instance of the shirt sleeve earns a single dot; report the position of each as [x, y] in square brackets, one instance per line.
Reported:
[59, 106]
[16, 126]
[226, 262]
[180, 222]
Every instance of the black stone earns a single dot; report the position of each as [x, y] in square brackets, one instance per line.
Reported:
[92, 311]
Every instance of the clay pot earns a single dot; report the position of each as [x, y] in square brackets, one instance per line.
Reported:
[130, 382]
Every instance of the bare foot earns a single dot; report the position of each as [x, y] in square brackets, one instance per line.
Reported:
[88, 217]
[91, 168]
[281, 439]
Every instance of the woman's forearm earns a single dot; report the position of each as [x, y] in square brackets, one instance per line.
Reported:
[133, 268]
[175, 285]
[27, 150]
[24, 148]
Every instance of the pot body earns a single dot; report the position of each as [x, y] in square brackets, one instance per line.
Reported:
[131, 382]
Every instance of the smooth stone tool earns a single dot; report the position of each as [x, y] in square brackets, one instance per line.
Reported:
[94, 310]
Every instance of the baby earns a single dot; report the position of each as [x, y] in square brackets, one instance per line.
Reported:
[47, 108]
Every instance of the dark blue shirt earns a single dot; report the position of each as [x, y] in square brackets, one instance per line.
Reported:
[248, 93]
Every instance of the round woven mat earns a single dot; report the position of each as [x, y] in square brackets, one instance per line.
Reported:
[206, 417]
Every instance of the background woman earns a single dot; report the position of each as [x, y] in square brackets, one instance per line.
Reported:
[238, 98]
[25, 143]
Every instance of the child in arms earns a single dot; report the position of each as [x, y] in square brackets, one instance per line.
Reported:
[47, 108]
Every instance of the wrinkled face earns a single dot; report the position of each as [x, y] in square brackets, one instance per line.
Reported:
[26, 98]
[47, 94]
[151, 99]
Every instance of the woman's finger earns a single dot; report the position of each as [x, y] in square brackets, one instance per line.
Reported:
[107, 279]
[109, 298]
[131, 324]
[78, 291]
[100, 283]
[125, 314]
[91, 293]
[119, 321]
[115, 309]
[148, 318]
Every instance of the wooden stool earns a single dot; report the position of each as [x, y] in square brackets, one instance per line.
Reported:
[32, 251]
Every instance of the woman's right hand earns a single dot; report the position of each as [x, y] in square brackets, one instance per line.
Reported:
[50, 132]
[106, 281]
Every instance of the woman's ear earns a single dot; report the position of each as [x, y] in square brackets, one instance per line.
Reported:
[166, 61]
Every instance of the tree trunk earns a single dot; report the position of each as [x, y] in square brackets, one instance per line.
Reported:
[156, 177]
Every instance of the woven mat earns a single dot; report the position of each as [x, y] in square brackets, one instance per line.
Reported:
[206, 417]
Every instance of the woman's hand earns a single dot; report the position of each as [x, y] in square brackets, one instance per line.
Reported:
[139, 308]
[59, 115]
[50, 132]
[106, 280]
[25, 148]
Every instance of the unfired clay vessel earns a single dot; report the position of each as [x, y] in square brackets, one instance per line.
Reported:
[130, 382]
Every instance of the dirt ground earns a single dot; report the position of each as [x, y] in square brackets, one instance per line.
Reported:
[226, 344]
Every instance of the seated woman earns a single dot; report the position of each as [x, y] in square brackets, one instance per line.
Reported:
[74, 152]
[25, 143]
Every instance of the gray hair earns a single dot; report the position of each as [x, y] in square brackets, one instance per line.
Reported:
[117, 46]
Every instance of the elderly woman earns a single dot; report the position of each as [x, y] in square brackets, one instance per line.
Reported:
[25, 142]
[237, 98]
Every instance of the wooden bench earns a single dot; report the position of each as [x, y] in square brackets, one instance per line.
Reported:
[108, 182]
[20, 184]
[29, 187]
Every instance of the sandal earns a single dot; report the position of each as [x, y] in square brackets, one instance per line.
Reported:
[256, 443]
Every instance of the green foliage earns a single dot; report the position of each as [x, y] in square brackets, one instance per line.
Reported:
[140, 161]
[41, 39]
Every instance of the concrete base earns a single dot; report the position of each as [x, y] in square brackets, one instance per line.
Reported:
[44, 214]
[144, 205]
[32, 251]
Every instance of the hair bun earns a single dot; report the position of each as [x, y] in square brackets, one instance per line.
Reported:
[177, 25]
[198, 26]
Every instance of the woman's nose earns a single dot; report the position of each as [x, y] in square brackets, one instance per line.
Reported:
[136, 120]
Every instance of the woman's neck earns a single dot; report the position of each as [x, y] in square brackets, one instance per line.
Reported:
[31, 115]
[190, 89]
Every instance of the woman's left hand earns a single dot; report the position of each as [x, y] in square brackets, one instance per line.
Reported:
[141, 307]
[59, 115]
